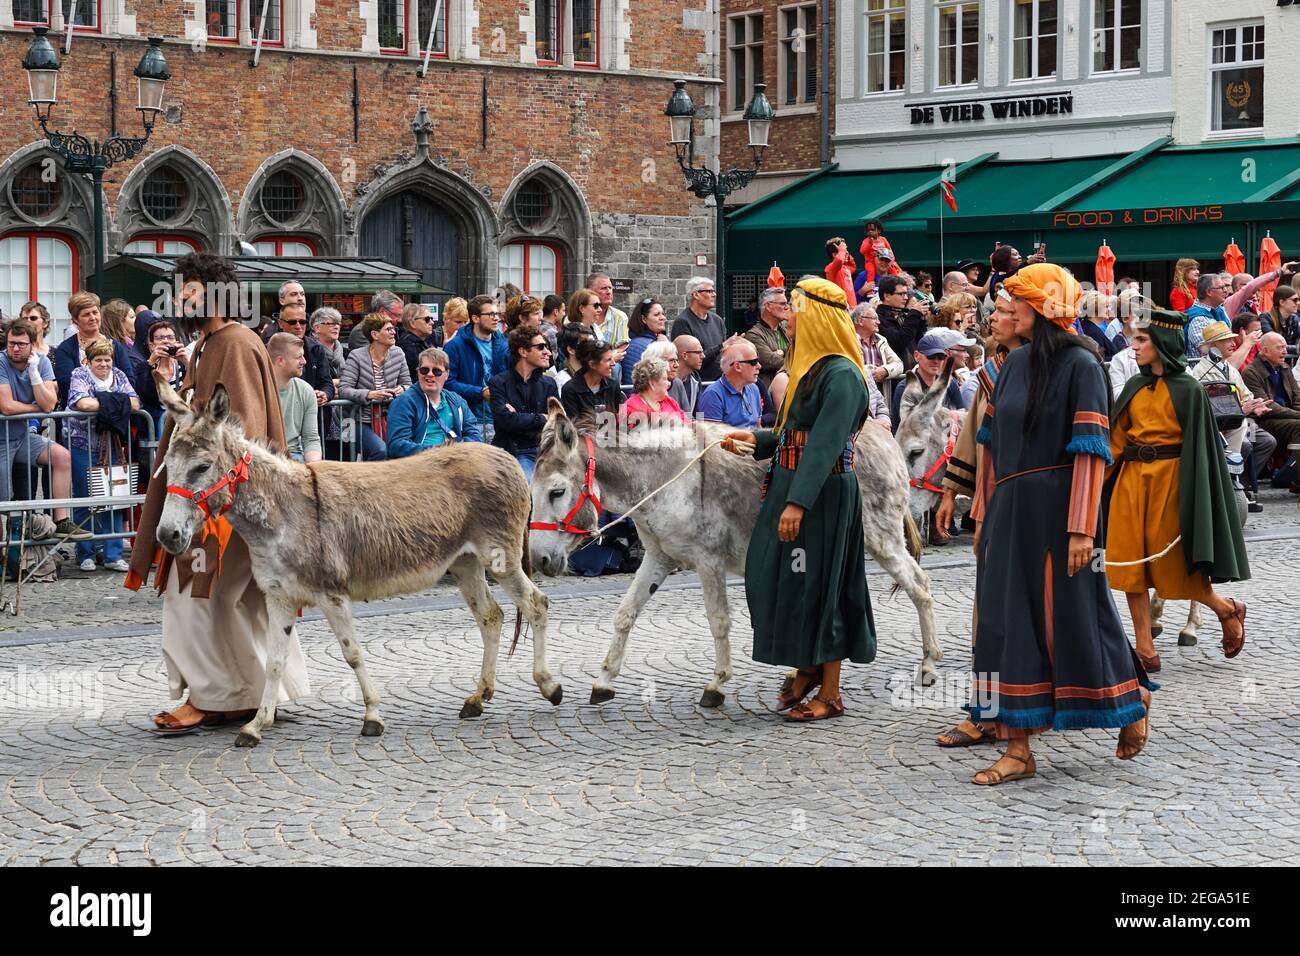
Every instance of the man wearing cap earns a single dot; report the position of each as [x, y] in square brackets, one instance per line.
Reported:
[929, 357]
[1251, 442]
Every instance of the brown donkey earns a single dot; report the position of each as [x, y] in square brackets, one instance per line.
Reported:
[329, 533]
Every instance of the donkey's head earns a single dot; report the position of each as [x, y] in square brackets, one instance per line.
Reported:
[559, 480]
[923, 436]
[204, 447]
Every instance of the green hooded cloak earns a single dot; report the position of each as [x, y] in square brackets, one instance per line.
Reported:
[1207, 520]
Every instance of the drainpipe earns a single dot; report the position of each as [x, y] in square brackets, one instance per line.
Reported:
[826, 83]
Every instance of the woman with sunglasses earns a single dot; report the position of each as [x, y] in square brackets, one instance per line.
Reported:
[647, 323]
[429, 416]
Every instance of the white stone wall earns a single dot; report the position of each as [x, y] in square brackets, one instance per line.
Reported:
[1193, 20]
[1110, 115]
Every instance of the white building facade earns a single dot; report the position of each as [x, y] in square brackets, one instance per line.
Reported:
[1234, 70]
[925, 82]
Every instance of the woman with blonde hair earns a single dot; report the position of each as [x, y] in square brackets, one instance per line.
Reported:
[959, 312]
[1183, 295]
[454, 315]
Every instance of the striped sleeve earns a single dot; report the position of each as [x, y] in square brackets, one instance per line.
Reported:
[1085, 494]
[1090, 399]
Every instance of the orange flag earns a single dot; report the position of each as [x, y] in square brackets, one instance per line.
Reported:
[1270, 259]
[1234, 260]
[775, 278]
[1104, 274]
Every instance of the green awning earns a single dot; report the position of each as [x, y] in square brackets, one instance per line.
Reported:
[1156, 204]
[317, 274]
[791, 226]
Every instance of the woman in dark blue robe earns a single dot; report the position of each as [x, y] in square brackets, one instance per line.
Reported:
[1050, 651]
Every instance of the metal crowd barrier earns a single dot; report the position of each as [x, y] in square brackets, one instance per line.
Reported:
[31, 485]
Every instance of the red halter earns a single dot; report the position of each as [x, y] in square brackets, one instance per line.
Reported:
[941, 462]
[236, 476]
[588, 494]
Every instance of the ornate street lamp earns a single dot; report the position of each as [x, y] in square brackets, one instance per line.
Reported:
[704, 182]
[79, 154]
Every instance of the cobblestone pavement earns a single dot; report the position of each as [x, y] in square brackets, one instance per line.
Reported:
[648, 777]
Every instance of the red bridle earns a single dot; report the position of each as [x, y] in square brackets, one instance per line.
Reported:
[236, 476]
[588, 494]
[942, 461]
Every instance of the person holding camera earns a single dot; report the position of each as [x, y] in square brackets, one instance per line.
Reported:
[168, 360]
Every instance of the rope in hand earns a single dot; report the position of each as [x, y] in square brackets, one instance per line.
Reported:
[1154, 557]
[742, 448]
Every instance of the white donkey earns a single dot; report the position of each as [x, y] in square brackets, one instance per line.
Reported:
[317, 535]
[702, 521]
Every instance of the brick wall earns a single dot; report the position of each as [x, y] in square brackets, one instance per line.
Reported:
[795, 141]
[606, 131]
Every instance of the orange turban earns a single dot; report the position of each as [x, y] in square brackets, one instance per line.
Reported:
[1052, 291]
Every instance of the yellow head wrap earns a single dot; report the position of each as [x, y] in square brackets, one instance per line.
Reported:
[822, 327]
[1052, 291]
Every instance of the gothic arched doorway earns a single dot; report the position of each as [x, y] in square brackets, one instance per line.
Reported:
[412, 231]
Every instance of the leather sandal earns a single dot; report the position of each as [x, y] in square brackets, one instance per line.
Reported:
[1136, 738]
[805, 713]
[995, 777]
[960, 738]
[1150, 664]
[1232, 648]
[167, 725]
[787, 696]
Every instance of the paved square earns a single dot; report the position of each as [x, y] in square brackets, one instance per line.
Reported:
[648, 777]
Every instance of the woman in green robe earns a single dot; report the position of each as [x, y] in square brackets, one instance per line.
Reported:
[805, 575]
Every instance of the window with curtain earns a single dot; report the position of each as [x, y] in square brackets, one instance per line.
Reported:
[886, 55]
[37, 267]
[1034, 44]
[1116, 35]
[532, 266]
[959, 43]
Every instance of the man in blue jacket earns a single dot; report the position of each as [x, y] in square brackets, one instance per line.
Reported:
[519, 396]
[474, 356]
[430, 415]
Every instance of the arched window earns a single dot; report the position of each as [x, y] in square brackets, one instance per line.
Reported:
[161, 245]
[536, 267]
[284, 246]
[40, 266]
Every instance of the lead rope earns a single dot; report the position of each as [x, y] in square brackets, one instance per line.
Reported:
[1154, 557]
[744, 447]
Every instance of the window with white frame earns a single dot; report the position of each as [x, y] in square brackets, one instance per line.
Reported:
[586, 35]
[1237, 77]
[797, 53]
[424, 19]
[1034, 44]
[36, 267]
[284, 246]
[82, 14]
[745, 55]
[546, 30]
[160, 245]
[223, 20]
[886, 54]
[274, 33]
[532, 266]
[392, 26]
[959, 43]
[1116, 35]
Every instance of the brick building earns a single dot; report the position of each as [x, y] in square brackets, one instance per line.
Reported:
[541, 156]
[779, 43]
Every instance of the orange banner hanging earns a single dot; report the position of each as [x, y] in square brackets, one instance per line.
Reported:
[1234, 260]
[1270, 260]
[1104, 273]
[775, 278]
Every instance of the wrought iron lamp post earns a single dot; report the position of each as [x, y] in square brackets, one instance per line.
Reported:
[704, 182]
[91, 157]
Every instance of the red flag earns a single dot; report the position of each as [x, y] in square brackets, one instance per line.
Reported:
[949, 193]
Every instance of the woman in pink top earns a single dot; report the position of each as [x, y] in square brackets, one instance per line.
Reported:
[650, 401]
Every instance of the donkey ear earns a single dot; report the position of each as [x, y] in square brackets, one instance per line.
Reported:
[946, 374]
[218, 407]
[560, 424]
[169, 399]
